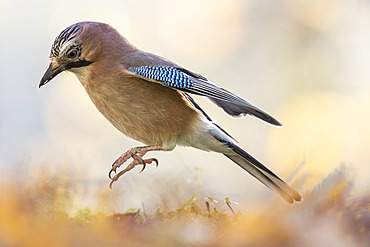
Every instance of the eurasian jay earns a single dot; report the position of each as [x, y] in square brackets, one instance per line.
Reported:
[146, 97]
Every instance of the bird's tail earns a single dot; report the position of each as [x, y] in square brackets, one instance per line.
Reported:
[262, 173]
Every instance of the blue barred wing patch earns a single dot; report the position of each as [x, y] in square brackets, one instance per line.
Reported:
[184, 80]
[169, 76]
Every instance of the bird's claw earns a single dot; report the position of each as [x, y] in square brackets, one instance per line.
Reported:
[144, 165]
[156, 162]
[149, 161]
[118, 162]
[137, 160]
[110, 172]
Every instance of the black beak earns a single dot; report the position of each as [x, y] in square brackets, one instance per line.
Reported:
[50, 74]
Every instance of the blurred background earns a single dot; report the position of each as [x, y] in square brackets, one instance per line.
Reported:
[305, 62]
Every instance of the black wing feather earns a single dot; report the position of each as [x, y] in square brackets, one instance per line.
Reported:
[187, 81]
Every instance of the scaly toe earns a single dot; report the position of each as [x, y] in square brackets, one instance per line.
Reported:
[117, 176]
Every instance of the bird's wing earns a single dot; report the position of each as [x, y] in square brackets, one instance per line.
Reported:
[187, 81]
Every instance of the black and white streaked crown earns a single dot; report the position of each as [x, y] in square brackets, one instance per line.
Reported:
[66, 35]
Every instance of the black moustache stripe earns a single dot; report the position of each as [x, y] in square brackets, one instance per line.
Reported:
[77, 64]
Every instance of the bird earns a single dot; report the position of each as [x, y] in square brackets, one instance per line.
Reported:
[148, 98]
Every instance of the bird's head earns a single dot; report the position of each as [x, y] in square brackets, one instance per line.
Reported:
[78, 46]
[67, 52]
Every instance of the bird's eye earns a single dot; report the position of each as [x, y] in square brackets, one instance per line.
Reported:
[72, 53]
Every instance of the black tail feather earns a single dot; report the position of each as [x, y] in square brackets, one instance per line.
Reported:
[263, 174]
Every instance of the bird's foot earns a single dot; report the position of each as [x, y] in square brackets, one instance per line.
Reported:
[136, 153]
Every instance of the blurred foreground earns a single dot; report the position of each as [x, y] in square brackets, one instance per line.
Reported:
[36, 212]
[305, 62]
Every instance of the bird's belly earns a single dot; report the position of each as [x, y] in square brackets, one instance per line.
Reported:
[145, 111]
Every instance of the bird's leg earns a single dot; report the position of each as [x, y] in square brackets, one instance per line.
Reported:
[136, 153]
